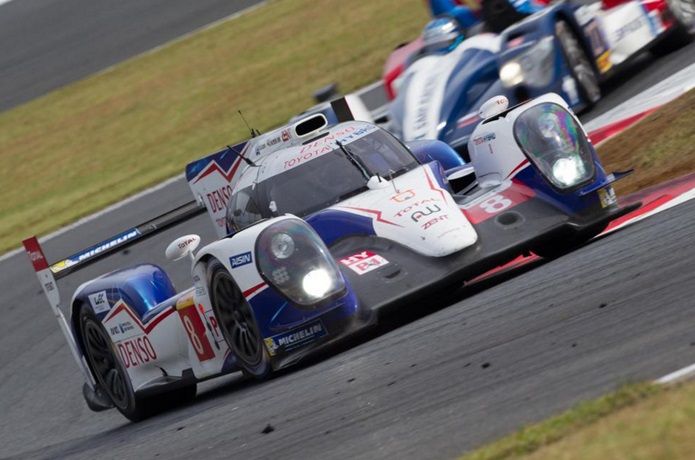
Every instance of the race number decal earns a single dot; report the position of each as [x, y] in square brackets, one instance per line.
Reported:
[501, 199]
[195, 329]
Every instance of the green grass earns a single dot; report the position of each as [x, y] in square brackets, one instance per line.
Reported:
[640, 422]
[97, 141]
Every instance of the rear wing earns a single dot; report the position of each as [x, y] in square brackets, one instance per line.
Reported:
[48, 273]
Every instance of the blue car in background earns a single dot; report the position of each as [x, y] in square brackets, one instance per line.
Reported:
[438, 82]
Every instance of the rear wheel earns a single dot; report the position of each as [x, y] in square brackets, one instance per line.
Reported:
[238, 323]
[684, 28]
[580, 66]
[107, 367]
[112, 376]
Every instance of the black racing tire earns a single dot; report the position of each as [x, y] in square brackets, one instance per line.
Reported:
[684, 28]
[107, 368]
[568, 243]
[580, 65]
[499, 14]
[110, 373]
[237, 322]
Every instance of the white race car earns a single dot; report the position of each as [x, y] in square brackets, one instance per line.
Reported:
[320, 228]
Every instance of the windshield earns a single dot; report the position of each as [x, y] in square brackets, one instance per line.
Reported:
[323, 181]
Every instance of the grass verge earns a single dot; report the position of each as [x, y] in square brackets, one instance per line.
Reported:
[636, 422]
[97, 141]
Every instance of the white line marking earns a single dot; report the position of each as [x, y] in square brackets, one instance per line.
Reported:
[681, 374]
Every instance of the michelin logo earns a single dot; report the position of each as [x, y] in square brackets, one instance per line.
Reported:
[296, 338]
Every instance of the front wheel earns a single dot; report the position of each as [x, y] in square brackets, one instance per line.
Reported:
[580, 66]
[237, 322]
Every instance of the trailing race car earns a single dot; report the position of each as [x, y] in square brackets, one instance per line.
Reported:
[320, 229]
[439, 82]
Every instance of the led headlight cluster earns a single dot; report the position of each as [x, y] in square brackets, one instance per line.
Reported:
[294, 260]
[557, 146]
[534, 67]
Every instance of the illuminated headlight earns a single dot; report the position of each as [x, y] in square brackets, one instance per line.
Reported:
[295, 261]
[316, 283]
[511, 74]
[535, 67]
[551, 137]
[282, 245]
[568, 172]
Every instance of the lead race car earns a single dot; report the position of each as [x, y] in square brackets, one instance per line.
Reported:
[321, 228]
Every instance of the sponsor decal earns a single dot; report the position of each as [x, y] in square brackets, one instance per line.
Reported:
[431, 222]
[607, 196]
[363, 262]
[38, 261]
[272, 141]
[484, 138]
[99, 302]
[403, 196]
[136, 352]
[416, 206]
[125, 326]
[429, 209]
[629, 28]
[218, 199]
[240, 260]
[286, 135]
[95, 250]
[296, 338]
[326, 144]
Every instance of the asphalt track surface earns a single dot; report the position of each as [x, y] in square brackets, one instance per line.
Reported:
[433, 381]
[45, 44]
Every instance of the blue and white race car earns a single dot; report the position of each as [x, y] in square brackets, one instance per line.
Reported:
[320, 229]
[569, 48]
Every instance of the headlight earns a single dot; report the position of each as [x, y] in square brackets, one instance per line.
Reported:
[294, 260]
[552, 139]
[567, 171]
[282, 245]
[316, 282]
[511, 74]
[534, 67]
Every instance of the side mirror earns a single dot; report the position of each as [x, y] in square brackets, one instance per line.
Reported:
[183, 246]
[493, 106]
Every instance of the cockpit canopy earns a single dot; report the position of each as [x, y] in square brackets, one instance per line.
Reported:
[331, 167]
